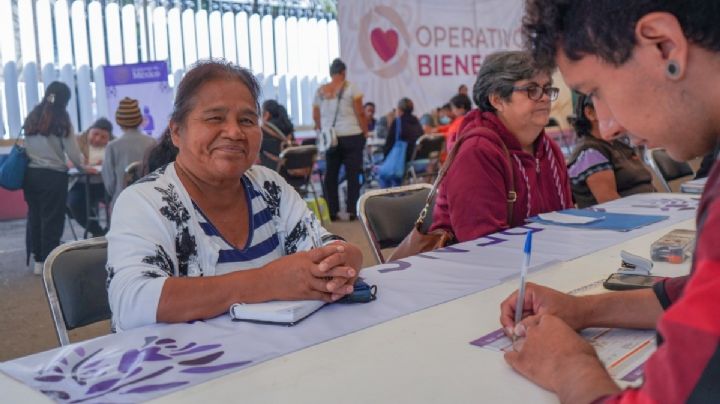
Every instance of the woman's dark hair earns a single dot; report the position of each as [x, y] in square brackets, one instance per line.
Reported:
[405, 105]
[582, 125]
[278, 116]
[203, 72]
[461, 101]
[50, 116]
[337, 67]
[161, 154]
[498, 75]
[606, 28]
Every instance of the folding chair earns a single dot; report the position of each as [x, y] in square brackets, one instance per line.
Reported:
[425, 160]
[667, 169]
[75, 285]
[133, 172]
[296, 166]
[388, 215]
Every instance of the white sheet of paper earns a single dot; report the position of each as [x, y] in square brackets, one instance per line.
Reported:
[563, 218]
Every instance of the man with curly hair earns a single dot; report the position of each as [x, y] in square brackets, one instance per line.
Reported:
[651, 68]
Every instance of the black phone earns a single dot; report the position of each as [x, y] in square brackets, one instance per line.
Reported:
[619, 281]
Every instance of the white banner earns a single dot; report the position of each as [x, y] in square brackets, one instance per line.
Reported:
[422, 49]
[146, 82]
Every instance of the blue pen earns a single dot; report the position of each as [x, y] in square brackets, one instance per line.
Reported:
[527, 250]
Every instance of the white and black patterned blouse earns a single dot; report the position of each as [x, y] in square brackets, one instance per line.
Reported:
[158, 231]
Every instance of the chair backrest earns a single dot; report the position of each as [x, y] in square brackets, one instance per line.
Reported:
[296, 165]
[76, 285]
[668, 169]
[133, 172]
[388, 215]
[428, 147]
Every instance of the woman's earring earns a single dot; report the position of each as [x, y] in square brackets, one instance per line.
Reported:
[673, 69]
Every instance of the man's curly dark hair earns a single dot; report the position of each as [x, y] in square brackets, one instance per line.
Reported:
[606, 28]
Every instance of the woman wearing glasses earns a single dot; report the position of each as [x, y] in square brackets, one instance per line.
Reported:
[506, 168]
[602, 170]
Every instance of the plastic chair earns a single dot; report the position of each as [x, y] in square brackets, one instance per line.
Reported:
[425, 160]
[76, 285]
[296, 166]
[666, 168]
[388, 215]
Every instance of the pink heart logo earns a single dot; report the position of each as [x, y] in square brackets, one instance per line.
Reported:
[385, 43]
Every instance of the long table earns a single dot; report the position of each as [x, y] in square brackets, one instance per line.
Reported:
[419, 352]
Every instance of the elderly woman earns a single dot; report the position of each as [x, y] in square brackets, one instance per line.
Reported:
[210, 229]
[506, 168]
[601, 170]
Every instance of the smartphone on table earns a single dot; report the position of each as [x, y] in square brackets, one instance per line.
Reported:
[617, 281]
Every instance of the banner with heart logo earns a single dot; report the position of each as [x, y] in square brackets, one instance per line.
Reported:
[422, 49]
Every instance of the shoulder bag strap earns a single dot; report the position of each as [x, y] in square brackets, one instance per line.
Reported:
[436, 183]
[510, 183]
[337, 109]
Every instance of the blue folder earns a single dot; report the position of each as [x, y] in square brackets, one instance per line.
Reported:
[606, 220]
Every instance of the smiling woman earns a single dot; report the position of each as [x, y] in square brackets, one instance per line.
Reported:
[210, 229]
[506, 169]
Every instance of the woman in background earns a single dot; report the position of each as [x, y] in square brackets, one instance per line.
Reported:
[92, 145]
[408, 127]
[506, 169]
[48, 140]
[277, 133]
[601, 170]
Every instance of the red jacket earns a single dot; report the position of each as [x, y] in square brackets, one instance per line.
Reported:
[686, 366]
[472, 200]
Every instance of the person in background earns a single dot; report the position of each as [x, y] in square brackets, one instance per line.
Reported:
[459, 105]
[506, 169]
[341, 98]
[429, 121]
[130, 147]
[636, 69]
[369, 109]
[49, 141]
[92, 144]
[444, 119]
[463, 89]
[211, 229]
[409, 129]
[160, 155]
[601, 170]
[277, 132]
[383, 124]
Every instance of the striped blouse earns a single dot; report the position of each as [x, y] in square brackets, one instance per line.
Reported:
[158, 231]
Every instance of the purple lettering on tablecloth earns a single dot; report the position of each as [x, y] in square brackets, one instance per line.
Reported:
[493, 240]
[430, 257]
[77, 378]
[528, 228]
[399, 266]
[450, 249]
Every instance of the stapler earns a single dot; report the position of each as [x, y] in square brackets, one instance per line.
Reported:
[634, 264]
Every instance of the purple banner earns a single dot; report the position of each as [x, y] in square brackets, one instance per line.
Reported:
[135, 73]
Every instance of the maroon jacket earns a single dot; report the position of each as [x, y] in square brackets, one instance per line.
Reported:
[686, 366]
[472, 200]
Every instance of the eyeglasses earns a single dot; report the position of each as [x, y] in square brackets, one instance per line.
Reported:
[535, 92]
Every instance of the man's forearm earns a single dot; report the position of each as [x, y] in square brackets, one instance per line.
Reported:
[627, 309]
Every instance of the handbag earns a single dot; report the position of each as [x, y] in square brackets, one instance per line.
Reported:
[417, 241]
[394, 164]
[327, 138]
[12, 169]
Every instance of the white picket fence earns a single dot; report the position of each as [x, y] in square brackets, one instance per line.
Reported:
[71, 42]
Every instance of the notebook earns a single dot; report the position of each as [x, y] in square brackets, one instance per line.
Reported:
[275, 312]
